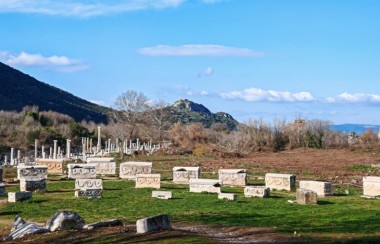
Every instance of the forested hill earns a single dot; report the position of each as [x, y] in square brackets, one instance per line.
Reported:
[18, 90]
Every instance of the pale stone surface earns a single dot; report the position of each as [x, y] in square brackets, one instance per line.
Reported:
[205, 185]
[233, 177]
[83, 184]
[162, 194]
[322, 188]
[154, 223]
[104, 166]
[371, 186]
[148, 180]
[55, 166]
[182, 175]
[33, 185]
[305, 196]
[129, 170]
[21, 228]
[228, 196]
[19, 196]
[89, 193]
[2, 189]
[37, 172]
[65, 220]
[257, 191]
[81, 171]
[280, 181]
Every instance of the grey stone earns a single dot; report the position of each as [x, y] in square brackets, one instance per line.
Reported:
[65, 220]
[2, 189]
[322, 188]
[228, 196]
[89, 193]
[162, 194]
[305, 196]
[33, 185]
[21, 228]
[19, 196]
[107, 223]
[280, 181]
[158, 222]
[205, 185]
[257, 191]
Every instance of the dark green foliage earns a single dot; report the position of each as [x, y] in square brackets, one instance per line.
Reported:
[34, 115]
[45, 121]
[32, 135]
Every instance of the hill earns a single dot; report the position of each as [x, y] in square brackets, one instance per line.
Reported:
[19, 90]
[357, 128]
[188, 112]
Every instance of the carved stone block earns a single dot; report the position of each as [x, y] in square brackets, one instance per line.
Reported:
[182, 175]
[37, 172]
[55, 166]
[322, 188]
[257, 191]
[280, 181]
[162, 194]
[104, 166]
[148, 180]
[371, 186]
[89, 193]
[19, 196]
[228, 196]
[81, 171]
[205, 185]
[233, 177]
[154, 223]
[129, 170]
[82, 184]
[33, 185]
[305, 196]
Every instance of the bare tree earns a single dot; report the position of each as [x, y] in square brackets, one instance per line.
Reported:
[158, 120]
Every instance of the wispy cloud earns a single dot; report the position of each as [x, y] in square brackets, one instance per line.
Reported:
[184, 90]
[59, 63]
[199, 50]
[83, 8]
[206, 72]
[260, 95]
[354, 98]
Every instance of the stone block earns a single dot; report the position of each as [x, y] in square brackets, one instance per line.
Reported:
[1, 173]
[233, 177]
[322, 188]
[89, 193]
[257, 191]
[55, 166]
[33, 185]
[104, 166]
[81, 171]
[205, 185]
[148, 180]
[228, 196]
[154, 223]
[83, 184]
[280, 181]
[305, 196]
[2, 189]
[19, 196]
[371, 186]
[36, 172]
[129, 170]
[162, 194]
[182, 175]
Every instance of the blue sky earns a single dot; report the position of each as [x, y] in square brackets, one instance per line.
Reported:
[251, 58]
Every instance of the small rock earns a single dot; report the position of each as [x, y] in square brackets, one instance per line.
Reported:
[65, 220]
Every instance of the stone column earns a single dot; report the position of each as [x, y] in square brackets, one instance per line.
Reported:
[84, 152]
[138, 144]
[43, 151]
[87, 144]
[50, 152]
[35, 149]
[109, 145]
[5, 160]
[55, 150]
[18, 154]
[12, 155]
[58, 152]
[90, 145]
[99, 140]
[68, 148]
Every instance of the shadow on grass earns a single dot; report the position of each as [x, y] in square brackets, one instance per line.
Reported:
[10, 213]
[322, 202]
[59, 191]
[112, 189]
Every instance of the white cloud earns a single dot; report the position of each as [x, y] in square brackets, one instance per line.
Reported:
[82, 8]
[354, 98]
[259, 95]
[199, 50]
[59, 63]
[206, 72]
[191, 92]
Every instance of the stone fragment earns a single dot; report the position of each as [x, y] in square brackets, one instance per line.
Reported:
[33, 185]
[205, 185]
[107, 223]
[148, 180]
[182, 175]
[280, 181]
[21, 228]
[257, 191]
[162, 194]
[36, 172]
[55, 166]
[228, 196]
[89, 193]
[64, 220]
[19, 196]
[305, 196]
[129, 170]
[81, 171]
[82, 184]
[322, 188]
[371, 186]
[233, 177]
[154, 223]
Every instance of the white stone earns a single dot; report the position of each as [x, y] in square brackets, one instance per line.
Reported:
[205, 185]
[182, 175]
[280, 181]
[154, 223]
[33, 185]
[83, 184]
[228, 196]
[129, 170]
[233, 177]
[148, 180]
[322, 188]
[162, 194]
[104, 166]
[81, 171]
[305, 196]
[371, 186]
[19, 196]
[257, 191]
[37, 172]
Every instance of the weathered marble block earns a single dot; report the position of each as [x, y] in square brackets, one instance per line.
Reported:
[33, 185]
[148, 180]
[37, 172]
[257, 191]
[83, 184]
[129, 170]
[2, 189]
[182, 175]
[280, 181]
[205, 185]
[81, 171]
[154, 223]
[322, 188]
[55, 166]
[305, 196]
[162, 194]
[19, 196]
[228, 196]
[89, 193]
[104, 166]
[371, 186]
[233, 177]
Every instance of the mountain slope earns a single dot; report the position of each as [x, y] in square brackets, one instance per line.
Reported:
[19, 90]
[188, 112]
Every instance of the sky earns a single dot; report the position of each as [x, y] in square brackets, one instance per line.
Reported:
[253, 59]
